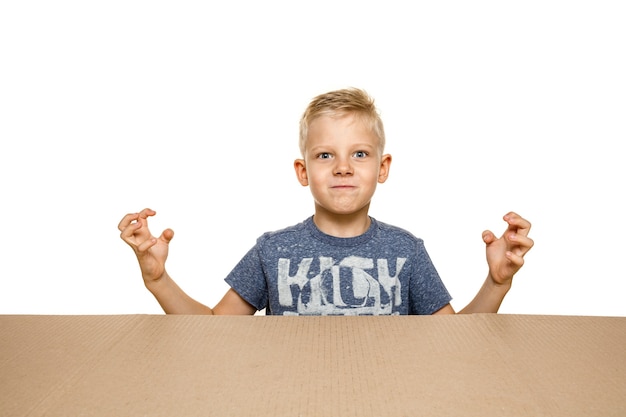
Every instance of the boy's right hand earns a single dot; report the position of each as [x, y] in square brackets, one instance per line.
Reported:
[150, 251]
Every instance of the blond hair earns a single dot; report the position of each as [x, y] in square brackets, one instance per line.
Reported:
[340, 103]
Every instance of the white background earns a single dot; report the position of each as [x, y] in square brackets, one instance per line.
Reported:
[192, 109]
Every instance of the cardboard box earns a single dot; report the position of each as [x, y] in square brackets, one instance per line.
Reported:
[476, 365]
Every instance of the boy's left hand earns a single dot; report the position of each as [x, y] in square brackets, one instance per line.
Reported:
[505, 256]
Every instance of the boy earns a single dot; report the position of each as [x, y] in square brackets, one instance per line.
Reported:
[340, 260]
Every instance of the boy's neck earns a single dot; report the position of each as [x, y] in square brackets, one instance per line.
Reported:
[342, 225]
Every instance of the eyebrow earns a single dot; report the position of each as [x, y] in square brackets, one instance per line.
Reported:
[356, 146]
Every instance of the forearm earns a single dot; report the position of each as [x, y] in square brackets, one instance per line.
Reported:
[172, 299]
[488, 299]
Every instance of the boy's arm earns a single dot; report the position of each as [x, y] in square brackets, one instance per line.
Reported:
[488, 299]
[152, 253]
[505, 256]
[173, 300]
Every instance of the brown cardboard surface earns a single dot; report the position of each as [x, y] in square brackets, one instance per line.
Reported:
[476, 365]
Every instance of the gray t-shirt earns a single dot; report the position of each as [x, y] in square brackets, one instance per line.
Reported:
[303, 271]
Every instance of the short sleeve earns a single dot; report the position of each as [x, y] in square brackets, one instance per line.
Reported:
[248, 279]
[428, 293]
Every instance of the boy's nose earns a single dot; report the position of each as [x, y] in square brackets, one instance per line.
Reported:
[343, 166]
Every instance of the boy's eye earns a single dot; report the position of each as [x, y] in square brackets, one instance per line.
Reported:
[323, 155]
[360, 154]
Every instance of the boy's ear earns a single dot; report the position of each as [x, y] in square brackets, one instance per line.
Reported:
[385, 164]
[300, 166]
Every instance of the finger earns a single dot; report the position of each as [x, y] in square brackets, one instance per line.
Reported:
[145, 213]
[142, 216]
[126, 220]
[130, 230]
[515, 259]
[144, 246]
[135, 217]
[521, 244]
[516, 221]
[167, 235]
[488, 237]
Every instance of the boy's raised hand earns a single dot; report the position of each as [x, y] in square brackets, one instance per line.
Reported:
[151, 252]
[505, 255]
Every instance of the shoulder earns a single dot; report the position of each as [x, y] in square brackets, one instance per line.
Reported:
[393, 241]
[285, 234]
[388, 231]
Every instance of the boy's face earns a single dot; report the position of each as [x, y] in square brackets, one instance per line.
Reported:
[342, 165]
